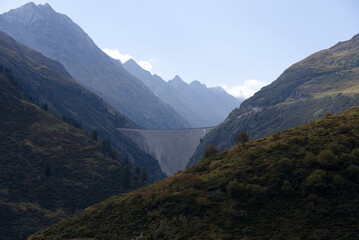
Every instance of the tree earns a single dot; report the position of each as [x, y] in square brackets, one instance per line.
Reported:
[45, 107]
[94, 135]
[143, 175]
[126, 161]
[242, 138]
[211, 150]
[106, 146]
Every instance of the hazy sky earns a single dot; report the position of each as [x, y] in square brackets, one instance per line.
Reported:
[240, 45]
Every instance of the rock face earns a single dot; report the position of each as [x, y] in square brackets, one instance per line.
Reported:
[199, 105]
[58, 37]
[326, 81]
[172, 148]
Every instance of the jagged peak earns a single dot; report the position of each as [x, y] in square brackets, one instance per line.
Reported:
[29, 12]
[198, 84]
[177, 78]
[29, 5]
[132, 62]
[46, 6]
[178, 82]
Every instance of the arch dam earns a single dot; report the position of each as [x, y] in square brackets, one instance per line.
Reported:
[172, 148]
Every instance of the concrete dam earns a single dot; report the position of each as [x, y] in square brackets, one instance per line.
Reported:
[172, 148]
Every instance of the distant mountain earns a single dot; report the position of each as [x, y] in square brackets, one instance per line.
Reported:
[327, 81]
[49, 170]
[46, 81]
[301, 183]
[58, 37]
[199, 105]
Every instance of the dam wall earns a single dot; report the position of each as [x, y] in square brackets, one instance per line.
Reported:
[173, 148]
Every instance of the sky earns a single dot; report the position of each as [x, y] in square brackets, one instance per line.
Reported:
[239, 45]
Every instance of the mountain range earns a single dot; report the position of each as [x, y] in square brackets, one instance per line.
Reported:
[56, 36]
[61, 150]
[46, 81]
[199, 105]
[326, 81]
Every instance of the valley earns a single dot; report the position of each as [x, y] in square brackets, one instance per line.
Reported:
[162, 126]
[172, 148]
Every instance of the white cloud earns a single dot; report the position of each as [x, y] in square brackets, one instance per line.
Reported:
[115, 54]
[145, 65]
[246, 89]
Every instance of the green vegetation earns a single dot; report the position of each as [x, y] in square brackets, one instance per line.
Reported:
[242, 138]
[210, 151]
[46, 81]
[49, 170]
[301, 183]
[326, 81]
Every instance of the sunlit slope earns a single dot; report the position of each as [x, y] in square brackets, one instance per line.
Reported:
[327, 81]
[301, 183]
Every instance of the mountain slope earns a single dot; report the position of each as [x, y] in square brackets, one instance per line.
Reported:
[326, 81]
[46, 81]
[199, 105]
[57, 37]
[301, 183]
[49, 170]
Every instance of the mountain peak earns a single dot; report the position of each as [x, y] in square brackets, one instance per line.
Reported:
[198, 84]
[30, 12]
[131, 61]
[177, 78]
[29, 5]
[177, 81]
[46, 6]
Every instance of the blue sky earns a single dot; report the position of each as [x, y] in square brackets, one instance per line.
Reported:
[240, 45]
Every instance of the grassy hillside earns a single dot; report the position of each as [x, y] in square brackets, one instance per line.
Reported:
[326, 81]
[301, 183]
[46, 81]
[49, 169]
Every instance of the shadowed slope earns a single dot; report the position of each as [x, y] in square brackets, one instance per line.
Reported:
[49, 170]
[46, 81]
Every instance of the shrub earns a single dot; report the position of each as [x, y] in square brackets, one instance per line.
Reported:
[309, 160]
[285, 164]
[287, 188]
[353, 172]
[334, 148]
[327, 159]
[316, 182]
[355, 154]
[347, 159]
[210, 151]
[344, 128]
[236, 189]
